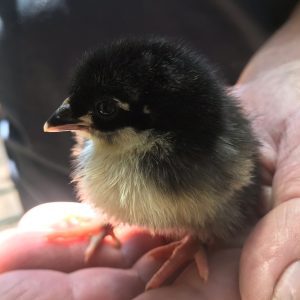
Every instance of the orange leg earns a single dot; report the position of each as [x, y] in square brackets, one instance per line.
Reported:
[96, 240]
[181, 253]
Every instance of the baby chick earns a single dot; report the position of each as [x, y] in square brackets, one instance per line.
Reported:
[161, 144]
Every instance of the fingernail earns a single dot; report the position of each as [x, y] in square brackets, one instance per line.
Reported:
[288, 287]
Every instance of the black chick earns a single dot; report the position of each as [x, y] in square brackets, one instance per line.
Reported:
[162, 145]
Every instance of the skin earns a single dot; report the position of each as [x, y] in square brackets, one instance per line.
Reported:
[268, 264]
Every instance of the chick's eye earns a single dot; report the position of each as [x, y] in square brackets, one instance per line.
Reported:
[106, 108]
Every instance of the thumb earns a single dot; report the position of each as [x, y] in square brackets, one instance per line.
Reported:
[271, 248]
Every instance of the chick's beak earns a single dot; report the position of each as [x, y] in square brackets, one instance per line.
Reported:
[63, 120]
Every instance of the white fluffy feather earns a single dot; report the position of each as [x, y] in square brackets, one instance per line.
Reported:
[108, 176]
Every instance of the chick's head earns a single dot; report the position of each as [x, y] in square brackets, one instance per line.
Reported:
[137, 85]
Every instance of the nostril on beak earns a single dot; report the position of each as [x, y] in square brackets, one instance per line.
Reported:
[64, 112]
[63, 120]
[63, 115]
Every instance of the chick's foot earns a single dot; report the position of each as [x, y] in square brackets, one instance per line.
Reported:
[179, 253]
[96, 240]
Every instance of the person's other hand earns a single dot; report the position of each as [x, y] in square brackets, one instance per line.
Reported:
[270, 259]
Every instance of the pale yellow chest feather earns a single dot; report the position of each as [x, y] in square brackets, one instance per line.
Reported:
[112, 181]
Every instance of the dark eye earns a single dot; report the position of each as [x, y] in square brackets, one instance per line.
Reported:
[106, 108]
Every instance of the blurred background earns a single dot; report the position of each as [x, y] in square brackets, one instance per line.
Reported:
[42, 40]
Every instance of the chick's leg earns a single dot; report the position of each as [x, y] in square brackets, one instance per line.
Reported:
[95, 241]
[179, 253]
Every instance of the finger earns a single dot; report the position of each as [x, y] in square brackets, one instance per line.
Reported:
[92, 283]
[28, 250]
[34, 285]
[288, 286]
[106, 284]
[37, 253]
[88, 284]
[270, 249]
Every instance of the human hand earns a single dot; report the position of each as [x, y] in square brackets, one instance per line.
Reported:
[270, 93]
[33, 269]
[270, 259]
